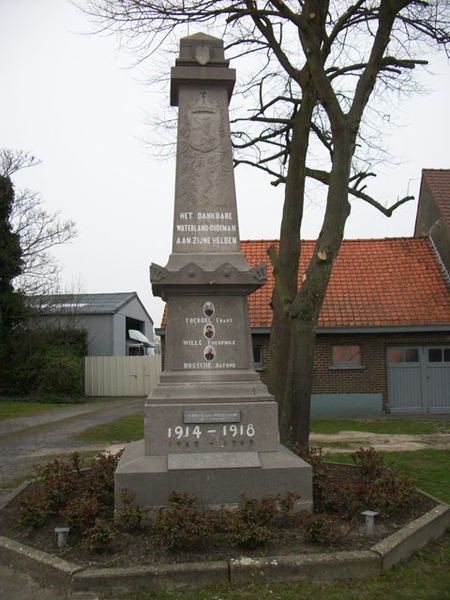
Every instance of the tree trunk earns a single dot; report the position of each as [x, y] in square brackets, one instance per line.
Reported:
[294, 421]
[305, 310]
[285, 261]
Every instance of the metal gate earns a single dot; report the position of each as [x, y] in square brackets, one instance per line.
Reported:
[121, 375]
[419, 379]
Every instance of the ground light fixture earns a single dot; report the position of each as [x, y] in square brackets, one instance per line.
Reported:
[61, 533]
[370, 521]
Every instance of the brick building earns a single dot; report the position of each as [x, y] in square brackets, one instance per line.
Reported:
[383, 340]
[433, 213]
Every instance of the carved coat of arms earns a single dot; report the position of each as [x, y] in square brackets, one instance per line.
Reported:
[204, 124]
[202, 55]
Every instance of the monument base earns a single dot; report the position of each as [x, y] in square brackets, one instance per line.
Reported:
[216, 479]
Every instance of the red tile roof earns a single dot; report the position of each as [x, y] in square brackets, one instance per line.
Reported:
[375, 282]
[438, 181]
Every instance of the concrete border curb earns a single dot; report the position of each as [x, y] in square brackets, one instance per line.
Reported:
[40, 565]
[153, 578]
[401, 545]
[315, 567]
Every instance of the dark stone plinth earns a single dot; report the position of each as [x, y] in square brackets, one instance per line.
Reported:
[216, 479]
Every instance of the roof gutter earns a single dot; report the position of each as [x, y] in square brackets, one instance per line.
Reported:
[369, 329]
[372, 329]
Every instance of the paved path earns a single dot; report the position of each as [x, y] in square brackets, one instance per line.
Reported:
[27, 441]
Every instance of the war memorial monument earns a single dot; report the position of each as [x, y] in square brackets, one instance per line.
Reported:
[211, 426]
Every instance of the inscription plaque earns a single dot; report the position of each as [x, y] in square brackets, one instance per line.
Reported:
[212, 416]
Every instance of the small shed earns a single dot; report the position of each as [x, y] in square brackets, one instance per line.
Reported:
[117, 323]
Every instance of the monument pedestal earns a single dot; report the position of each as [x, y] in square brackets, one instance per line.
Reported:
[217, 451]
[215, 478]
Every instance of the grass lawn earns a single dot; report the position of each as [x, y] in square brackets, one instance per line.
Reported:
[383, 425]
[11, 408]
[126, 429]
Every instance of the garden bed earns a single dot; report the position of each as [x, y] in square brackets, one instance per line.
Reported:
[267, 527]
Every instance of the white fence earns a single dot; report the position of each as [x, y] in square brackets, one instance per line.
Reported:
[121, 375]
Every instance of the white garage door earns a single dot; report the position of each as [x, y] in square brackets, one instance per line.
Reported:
[419, 379]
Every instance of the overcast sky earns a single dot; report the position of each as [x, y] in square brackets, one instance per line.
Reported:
[69, 99]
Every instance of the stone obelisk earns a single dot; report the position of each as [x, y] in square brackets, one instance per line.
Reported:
[211, 427]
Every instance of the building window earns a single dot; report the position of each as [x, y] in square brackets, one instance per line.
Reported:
[403, 355]
[257, 357]
[437, 355]
[346, 357]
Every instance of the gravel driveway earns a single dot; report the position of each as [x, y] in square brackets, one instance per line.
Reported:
[27, 441]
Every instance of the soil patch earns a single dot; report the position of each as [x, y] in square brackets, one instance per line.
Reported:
[146, 548]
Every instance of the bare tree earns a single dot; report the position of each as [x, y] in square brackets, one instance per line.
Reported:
[311, 106]
[12, 161]
[38, 230]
